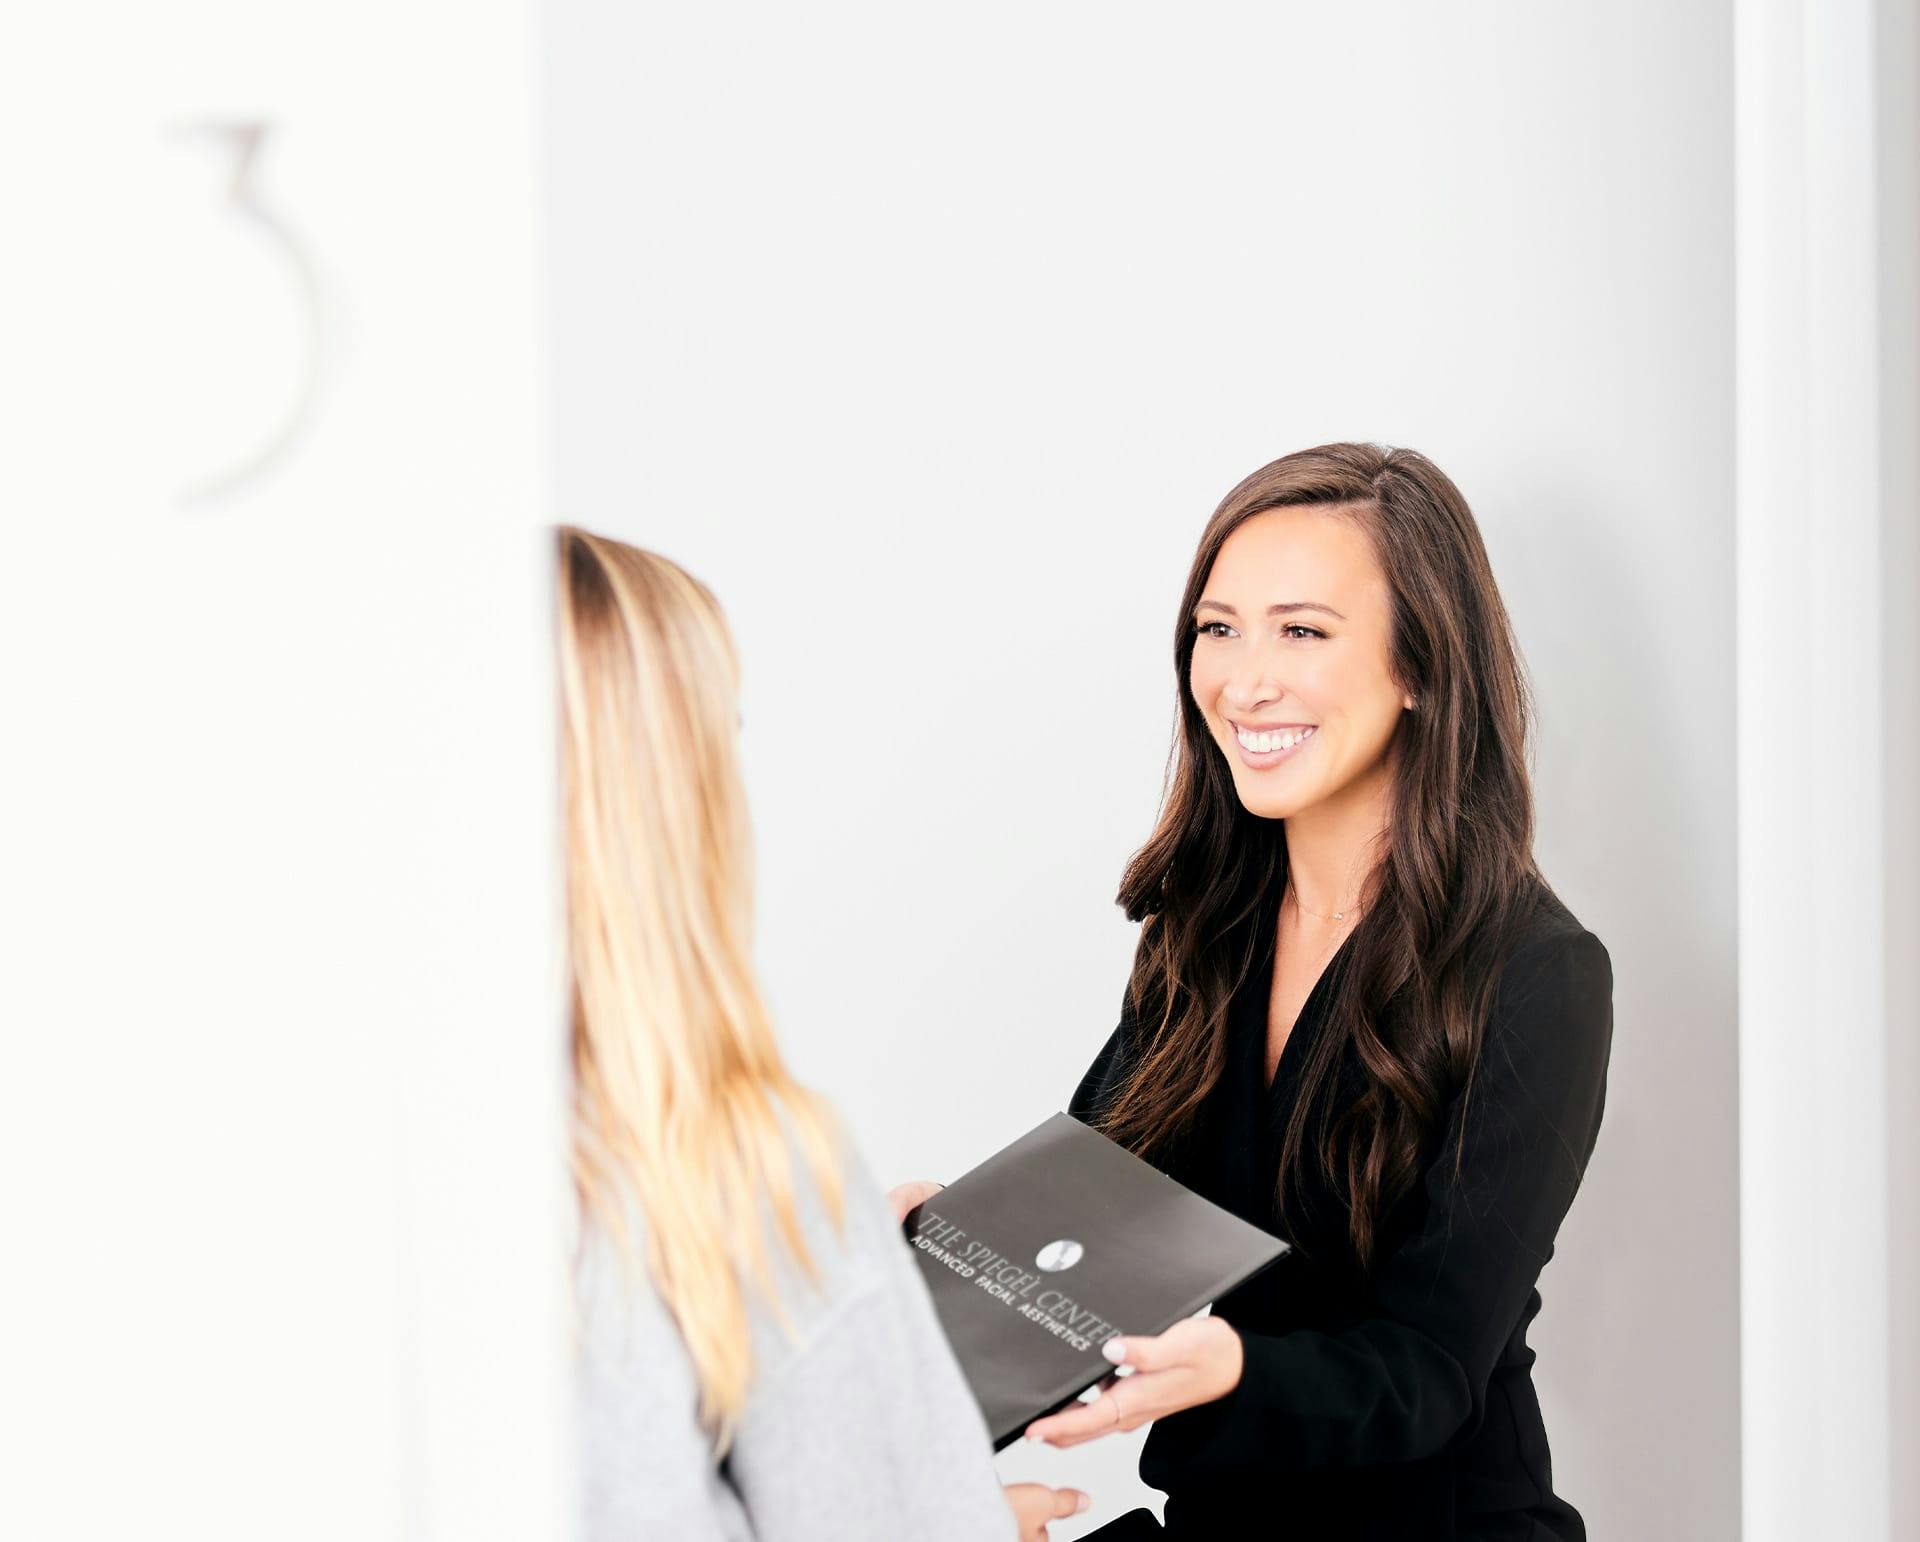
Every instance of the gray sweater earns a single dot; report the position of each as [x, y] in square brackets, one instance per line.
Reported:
[861, 1427]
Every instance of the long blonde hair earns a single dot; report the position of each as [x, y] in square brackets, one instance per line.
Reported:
[677, 1076]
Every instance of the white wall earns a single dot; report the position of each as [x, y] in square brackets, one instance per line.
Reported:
[930, 338]
[280, 1108]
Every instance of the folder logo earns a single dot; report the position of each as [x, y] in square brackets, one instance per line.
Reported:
[1056, 1256]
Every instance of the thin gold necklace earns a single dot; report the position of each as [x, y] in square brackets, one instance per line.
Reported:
[1338, 915]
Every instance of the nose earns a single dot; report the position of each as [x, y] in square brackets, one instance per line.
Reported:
[1255, 683]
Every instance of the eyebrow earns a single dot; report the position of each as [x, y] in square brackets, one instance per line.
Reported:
[1274, 610]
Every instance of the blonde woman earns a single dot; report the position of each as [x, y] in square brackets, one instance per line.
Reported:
[758, 1357]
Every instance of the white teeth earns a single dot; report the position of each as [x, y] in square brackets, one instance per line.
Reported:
[1280, 739]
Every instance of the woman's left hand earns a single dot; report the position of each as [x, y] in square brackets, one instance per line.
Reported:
[1193, 1362]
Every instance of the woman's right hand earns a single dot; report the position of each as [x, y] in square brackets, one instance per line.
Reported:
[904, 1196]
[1034, 1504]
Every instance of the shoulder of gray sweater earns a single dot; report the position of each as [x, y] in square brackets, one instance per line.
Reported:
[851, 1256]
[851, 1253]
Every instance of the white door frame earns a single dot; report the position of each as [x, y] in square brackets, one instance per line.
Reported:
[1828, 582]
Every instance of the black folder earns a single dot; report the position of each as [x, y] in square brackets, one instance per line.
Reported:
[1054, 1245]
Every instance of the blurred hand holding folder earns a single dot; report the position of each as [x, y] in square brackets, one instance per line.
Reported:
[1055, 1244]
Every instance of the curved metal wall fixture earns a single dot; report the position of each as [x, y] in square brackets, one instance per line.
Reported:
[244, 140]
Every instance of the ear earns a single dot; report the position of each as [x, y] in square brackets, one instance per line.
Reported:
[1409, 703]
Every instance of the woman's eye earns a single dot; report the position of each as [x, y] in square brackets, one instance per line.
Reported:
[1306, 631]
[1213, 629]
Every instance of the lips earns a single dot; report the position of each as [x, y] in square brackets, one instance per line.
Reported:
[1285, 737]
[1261, 749]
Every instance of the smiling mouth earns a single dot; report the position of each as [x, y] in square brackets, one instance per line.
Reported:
[1261, 749]
[1272, 739]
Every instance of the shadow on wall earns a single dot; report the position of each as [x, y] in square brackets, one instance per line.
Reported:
[1632, 660]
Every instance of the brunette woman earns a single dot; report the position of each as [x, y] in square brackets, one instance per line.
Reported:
[1358, 1017]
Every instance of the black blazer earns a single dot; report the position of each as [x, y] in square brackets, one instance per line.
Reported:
[1405, 1409]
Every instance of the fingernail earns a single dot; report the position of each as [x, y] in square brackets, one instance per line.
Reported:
[1082, 1504]
[1115, 1351]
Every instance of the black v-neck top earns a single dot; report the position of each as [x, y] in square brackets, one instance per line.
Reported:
[1405, 1410]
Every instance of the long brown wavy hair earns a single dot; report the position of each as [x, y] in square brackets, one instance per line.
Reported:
[1442, 905]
